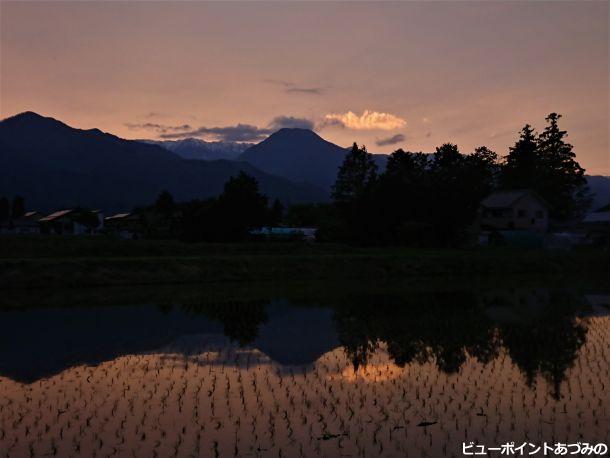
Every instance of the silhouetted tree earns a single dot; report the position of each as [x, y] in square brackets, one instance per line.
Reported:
[356, 176]
[241, 207]
[165, 203]
[309, 215]
[276, 213]
[18, 209]
[5, 209]
[419, 199]
[452, 206]
[546, 165]
[479, 176]
[353, 198]
[402, 197]
[563, 184]
[197, 221]
[522, 165]
[484, 167]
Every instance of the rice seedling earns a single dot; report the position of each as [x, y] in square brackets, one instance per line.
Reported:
[209, 398]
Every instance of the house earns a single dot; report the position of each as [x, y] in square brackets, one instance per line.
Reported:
[124, 225]
[511, 210]
[597, 226]
[27, 224]
[74, 221]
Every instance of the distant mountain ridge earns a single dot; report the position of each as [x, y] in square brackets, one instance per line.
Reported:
[300, 155]
[303, 156]
[54, 165]
[195, 148]
[600, 187]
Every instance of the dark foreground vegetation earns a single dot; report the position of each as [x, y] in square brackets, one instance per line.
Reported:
[58, 261]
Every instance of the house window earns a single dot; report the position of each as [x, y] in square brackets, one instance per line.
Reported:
[521, 213]
[496, 213]
[539, 214]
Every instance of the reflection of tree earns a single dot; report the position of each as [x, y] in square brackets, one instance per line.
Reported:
[240, 319]
[447, 327]
[548, 345]
[538, 327]
[440, 327]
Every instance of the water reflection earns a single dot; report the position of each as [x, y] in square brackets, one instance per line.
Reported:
[541, 330]
[280, 374]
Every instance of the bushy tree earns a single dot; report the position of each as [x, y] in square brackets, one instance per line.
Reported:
[420, 199]
[562, 182]
[458, 185]
[240, 208]
[546, 164]
[522, 166]
[402, 196]
[356, 176]
[352, 197]
[165, 203]
[197, 220]
[229, 218]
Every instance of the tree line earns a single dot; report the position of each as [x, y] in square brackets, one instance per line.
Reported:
[419, 199]
[229, 217]
[433, 199]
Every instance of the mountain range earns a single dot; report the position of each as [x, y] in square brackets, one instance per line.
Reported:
[53, 165]
[194, 148]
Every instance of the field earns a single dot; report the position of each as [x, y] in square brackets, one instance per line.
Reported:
[201, 396]
[73, 261]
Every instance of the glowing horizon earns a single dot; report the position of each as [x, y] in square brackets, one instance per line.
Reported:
[387, 75]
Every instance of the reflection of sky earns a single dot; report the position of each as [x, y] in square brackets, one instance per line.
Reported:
[174, 404]
[472, 73]
[292, 336]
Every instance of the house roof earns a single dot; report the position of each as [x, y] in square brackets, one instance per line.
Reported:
[118, 216]
[54, 216]
[505, 199]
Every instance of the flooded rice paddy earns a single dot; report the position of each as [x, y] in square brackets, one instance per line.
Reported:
[361, 374]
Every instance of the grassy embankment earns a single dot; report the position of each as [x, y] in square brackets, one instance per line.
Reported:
[33, 262]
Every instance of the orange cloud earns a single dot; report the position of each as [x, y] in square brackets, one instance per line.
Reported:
[368, 120]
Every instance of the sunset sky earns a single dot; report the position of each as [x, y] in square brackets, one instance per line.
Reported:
[389, 75]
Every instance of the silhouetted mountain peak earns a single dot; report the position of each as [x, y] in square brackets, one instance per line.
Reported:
[294, 134]
[299, 155]
[31, 123]
[294, 131]
[28, 117]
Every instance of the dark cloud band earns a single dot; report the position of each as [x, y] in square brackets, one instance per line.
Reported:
[390, 140]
